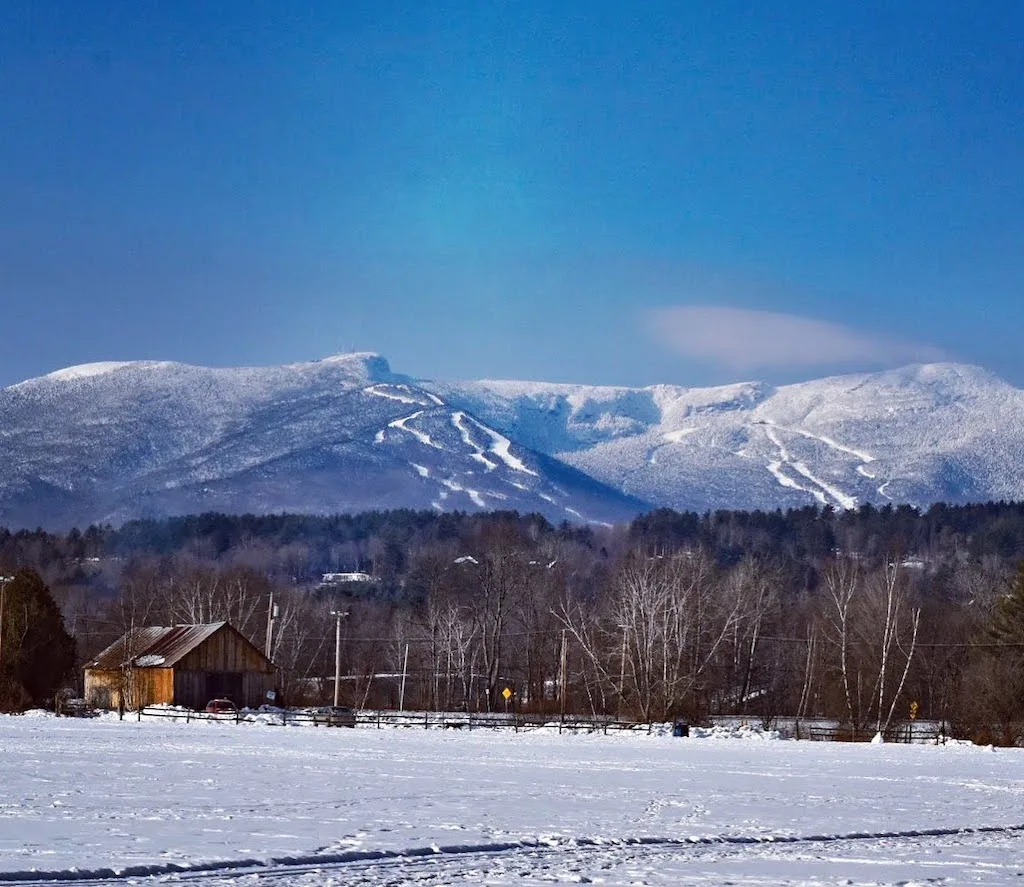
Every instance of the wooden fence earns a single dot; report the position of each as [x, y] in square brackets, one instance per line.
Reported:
[381, 719]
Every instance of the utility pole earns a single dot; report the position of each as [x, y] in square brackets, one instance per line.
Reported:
[272, 612]
[338, 616]
[564, 671]
[405, 671]
[622, 674]
[3, 588]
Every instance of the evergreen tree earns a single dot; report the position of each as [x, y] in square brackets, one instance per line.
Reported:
[37, 653]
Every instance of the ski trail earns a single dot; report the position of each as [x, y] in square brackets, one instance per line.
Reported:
[500, 445]
[669, 437]
[404, 394]
[842, 498]
[865, 457]
[401, 425]
[821, 490]
[678, 435]
[775, 467]
[474, 496]
[459, 421]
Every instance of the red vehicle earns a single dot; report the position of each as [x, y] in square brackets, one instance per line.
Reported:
[221, 707]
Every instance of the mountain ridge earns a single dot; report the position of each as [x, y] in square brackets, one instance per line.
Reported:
[113, 440]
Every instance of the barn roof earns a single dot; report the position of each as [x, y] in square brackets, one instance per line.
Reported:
[154, 647]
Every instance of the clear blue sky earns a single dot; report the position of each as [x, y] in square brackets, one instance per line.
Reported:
[602, 192]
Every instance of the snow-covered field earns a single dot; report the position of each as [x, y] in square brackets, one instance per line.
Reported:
[227, 804]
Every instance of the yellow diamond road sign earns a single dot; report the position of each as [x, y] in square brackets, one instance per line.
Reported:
[507, 693]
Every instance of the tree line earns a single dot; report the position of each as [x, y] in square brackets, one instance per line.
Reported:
[852, 615]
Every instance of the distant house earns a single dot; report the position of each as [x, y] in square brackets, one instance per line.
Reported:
[342, 578]
[182, 665]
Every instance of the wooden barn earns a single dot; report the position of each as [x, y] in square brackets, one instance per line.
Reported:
[183, 665]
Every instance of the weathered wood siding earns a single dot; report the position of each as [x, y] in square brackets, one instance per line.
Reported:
[227, 650]
[245, 689]
[255, 687]
[223, 665]
[190, 689]
[102, 688]
[227, 665]
[135, 688]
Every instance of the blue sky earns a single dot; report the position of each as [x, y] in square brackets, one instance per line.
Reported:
[592, 192]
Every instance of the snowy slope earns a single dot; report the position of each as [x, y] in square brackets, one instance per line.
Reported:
[107, 442]
[939, 432]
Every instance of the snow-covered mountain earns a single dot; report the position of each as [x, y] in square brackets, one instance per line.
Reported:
[921, 434]
[113, 441]
[119, 440]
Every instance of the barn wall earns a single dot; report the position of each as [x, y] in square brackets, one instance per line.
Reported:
[196, 688]
[107, 688]
[151, 686]
[255, 687]
[225, 659]
[190, 688]
[102, 688]
[226, 650]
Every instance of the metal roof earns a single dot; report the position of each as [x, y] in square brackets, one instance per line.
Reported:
[154, 647]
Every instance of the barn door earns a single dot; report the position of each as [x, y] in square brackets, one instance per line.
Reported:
[225, 685]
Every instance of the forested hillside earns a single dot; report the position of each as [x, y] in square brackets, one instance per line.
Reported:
[852, 615]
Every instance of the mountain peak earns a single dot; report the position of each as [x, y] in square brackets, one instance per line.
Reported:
[373, 364]
[114, 440]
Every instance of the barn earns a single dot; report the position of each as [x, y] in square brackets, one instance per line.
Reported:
[182, 665]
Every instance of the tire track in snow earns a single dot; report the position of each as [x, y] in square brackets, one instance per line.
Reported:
[278, 868]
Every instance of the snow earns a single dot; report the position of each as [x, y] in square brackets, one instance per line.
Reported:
[944, 432]
[403, 394]
[182, 438]
[93, 370]
[456, 487]
[461, 424]
[86, 370]
[403, 425]
[678, 435]
[304, 806]
[500, 445]
[866, 458]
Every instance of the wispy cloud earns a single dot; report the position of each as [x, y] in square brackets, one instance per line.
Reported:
[741, 339]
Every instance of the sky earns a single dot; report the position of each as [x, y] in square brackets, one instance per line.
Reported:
[597, 192]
